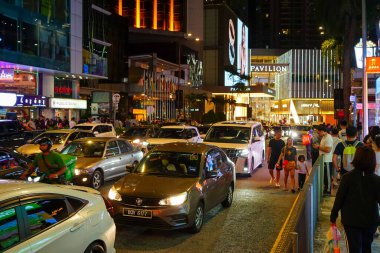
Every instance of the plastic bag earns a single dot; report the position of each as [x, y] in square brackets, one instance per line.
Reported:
[333, 237]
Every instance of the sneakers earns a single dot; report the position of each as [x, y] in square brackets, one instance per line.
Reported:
[278, 185]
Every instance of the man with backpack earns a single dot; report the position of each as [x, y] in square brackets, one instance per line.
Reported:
[346, 151]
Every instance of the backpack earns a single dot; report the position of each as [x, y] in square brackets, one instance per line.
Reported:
[348, 155]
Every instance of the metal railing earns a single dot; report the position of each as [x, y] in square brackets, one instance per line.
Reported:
[297, 233]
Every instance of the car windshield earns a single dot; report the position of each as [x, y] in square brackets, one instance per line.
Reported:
[83, 127]
[85, 149]
[176, 164]
[56, 138]
[301, 128]
[138, 132]
[230, 134]
[172, 133]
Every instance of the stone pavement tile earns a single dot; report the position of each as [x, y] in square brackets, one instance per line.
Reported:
[323, 225]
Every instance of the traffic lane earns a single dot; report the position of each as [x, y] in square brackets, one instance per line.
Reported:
[251, 224]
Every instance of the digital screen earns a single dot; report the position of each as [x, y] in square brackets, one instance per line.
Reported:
[242, 48]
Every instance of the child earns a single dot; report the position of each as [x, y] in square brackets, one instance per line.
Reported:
[302, 171]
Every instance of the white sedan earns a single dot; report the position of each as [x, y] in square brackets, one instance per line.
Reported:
[36, 217]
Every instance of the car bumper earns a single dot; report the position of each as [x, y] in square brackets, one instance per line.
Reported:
[165, 218]
[82, 179]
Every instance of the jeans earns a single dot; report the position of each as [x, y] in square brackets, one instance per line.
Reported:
[359, 239]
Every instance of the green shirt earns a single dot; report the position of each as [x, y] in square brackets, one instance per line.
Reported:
[53, 162]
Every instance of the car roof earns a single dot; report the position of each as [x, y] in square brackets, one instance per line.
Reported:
[237, 123]
[186, 147]
[67, 131]
[93, 124]
[179, 127]
[94, 139]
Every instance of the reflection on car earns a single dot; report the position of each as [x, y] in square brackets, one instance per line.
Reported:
[101, 158]
[12, 164]
[60, 139]
[174, 186]
[53, 218]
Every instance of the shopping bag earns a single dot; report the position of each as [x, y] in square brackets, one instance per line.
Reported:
[306, 140]
[333, 237]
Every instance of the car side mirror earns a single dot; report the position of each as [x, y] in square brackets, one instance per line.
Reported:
[211, 174]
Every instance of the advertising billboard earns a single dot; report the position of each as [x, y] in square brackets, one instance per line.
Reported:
[242, 46]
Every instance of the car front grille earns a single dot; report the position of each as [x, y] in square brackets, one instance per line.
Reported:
[146, 202]
[232, 153]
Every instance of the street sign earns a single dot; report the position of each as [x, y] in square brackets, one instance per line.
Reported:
[116, 98]
[352, 98]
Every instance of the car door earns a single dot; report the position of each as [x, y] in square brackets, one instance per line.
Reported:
[112, 164]
[51, 224]
[11, 228]
[127, 155]
[257, 146]
[210, 185]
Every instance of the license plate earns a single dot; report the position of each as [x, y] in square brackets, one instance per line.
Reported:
[140, 213]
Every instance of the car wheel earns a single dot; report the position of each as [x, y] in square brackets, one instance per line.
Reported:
[227, 202]
[95, 247]
[97, 179]
[198, 219]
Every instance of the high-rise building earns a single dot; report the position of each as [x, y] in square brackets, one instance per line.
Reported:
[285, 24]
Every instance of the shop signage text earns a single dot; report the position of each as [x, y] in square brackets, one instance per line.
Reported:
[309, 105]
[13, 99]
[63, 90]
[6, 75]
[269, 67]
[372, 64]
[63, 103]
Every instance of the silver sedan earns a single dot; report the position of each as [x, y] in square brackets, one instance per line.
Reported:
[101, 159]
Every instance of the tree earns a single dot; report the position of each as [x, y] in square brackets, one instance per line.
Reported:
[341, 20]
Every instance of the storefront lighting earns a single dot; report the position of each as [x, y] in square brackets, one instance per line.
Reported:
[197, 39]
[80, 77]
[73, 76]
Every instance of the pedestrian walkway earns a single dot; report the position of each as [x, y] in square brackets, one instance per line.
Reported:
[323, 226]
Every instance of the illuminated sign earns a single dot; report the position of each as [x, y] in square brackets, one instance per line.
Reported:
[63, 103]
[309, 105]
[6, 75]
[26, 100]
[13, 99]
[372, 64]
[269, 67]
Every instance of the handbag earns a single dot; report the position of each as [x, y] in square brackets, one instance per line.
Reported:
[289, 165]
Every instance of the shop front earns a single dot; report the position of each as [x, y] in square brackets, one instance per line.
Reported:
[20, 106]
[303, 111]
[65, 107]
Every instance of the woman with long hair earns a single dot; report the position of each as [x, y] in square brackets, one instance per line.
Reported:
[358, 199]
[289, 154]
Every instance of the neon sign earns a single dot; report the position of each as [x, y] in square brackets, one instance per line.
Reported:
[6, 75]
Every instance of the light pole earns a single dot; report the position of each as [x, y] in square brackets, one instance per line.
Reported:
[365, 87]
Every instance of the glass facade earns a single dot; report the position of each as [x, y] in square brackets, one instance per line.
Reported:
[36, 33]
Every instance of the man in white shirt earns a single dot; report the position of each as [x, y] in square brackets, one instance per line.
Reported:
[325, 149]
[72, 122]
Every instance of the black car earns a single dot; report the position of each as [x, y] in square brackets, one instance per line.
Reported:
[12, 164]
[13, 135]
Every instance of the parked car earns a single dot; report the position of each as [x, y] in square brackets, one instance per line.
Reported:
[12, 164]
[99, 129]
[298, 131]
[174, 186]
[60, 139]
[243, 142]
[203, 129]
[101, 158]
[168, 134]
[37, 217]
[138, 135]
[13, 135]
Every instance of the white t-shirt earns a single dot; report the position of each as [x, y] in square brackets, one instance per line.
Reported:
[301, 167]
[336, 140]
[327, 141]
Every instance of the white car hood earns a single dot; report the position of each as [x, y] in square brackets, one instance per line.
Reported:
[30, 149]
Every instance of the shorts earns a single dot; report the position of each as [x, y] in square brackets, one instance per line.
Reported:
[272, 165]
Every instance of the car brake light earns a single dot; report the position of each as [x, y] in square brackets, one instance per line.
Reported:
[109, 206]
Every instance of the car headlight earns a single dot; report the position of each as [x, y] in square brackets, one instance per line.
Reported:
[114, 195]
[136, 141]
[174, 200]
[78, 172]
[294, 134]
[243, 152]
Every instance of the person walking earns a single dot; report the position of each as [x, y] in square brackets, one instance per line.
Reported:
[289, 154]
[345, 150]
[273, 153]
[336, 140]
[358, 199]
[72, 122]
[342, 132]
[325, 148]
[302, 171]
[315, 139]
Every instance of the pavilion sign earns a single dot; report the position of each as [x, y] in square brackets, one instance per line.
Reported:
[269, 67]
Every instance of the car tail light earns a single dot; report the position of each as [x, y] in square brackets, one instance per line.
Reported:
[109, 206]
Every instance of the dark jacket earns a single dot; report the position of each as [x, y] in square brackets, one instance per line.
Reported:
[358, 198]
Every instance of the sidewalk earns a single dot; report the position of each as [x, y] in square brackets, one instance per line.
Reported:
[324, 224]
